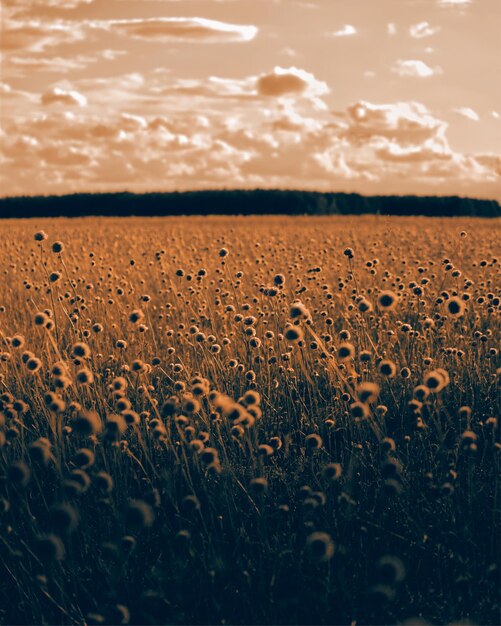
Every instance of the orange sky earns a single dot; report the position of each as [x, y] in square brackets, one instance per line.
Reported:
[373, 96]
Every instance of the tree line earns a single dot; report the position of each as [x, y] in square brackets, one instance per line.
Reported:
[242, 202]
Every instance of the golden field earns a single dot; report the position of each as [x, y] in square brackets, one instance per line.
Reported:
[220, 420]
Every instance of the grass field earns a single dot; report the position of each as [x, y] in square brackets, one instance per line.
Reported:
[239, 420]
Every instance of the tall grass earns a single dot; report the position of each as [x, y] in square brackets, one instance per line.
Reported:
[243, 420]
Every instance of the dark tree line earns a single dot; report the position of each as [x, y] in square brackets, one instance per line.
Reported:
[243, 202]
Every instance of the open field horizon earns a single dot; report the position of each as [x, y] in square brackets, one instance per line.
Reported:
[250, 420]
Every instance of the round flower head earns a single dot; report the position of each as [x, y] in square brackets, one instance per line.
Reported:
[387, 368]
[294, 334]
[84, 376]
[139, 514]
[258, 485]
[40, 318]
[387, 300]
[80, 350]
[313, 441]
[346, 351]
[50, 548]
[41, 235]
[136, 316]
[64, 518]
[435, 381]
[455, 306]
[320, 547]
[368, 392]
[332, 471]
[359, 410]
[298, 311]
[391, 570]
[17, 341]
[33, 365]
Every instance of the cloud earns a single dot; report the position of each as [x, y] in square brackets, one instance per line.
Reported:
[450, 3]
[194, 29]
[24, 8]
[24, 65]
[391, 28]
[423, 29]
[56, 95]
[346, 31]
[36, 35]
[468, 113]
[258, 140]
[285, 81]
[415, 69]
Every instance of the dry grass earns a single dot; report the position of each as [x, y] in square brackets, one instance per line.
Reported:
[243, 420]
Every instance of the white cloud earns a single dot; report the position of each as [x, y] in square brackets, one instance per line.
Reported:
[346, 31]
[415, 68]
[194, 29]
[35, 35]
[495, 115]
[447, 3]
[423, 29]
[468, 113]
[391, 28]
[24, 65]
[56, 95]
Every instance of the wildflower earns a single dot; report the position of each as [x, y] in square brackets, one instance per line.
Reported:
[359, 410]
[258, 485]
[84, 376]
[320, 546]
[19, 473]
[455, 307]
[139, 514]
[387, 300]
[209, 455]
[64, 518]
[346, 351]
[50, 548]
[136, 316]
[390, 570]
[104, 482]
[41, 235]
[364, 306]
[86, 423]
[265, 450]
[436, 380]
[33, 365]
[387, 368]
[17, 341]
[367, 392]
[80, 350]
[57, 247]
[84, 458]
[332, 471]
[298, 310]
[313, 441]
[40, 452]
[294, 334]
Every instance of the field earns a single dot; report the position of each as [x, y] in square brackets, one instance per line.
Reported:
[243, 420]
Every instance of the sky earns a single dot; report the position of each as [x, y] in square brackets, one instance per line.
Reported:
[367, 96]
